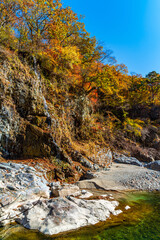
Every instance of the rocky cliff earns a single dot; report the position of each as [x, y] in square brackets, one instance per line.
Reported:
[34, 124]
[52, 122]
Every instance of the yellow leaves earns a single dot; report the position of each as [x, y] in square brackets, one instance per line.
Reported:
[70, 56]
[133, 126]
[142, 91]
[47, 29]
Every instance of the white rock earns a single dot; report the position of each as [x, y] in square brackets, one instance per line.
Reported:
[104, 195]
[111, 198]
[60, 215]
[29, 203]
[86, 195]
[127, 207]
[2, 185]
[24, 184]
[83, 191]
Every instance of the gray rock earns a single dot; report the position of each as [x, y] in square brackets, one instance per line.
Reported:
[2, 185]
[88, 175]
[83, 191]
[18, 186]
[5, 166]
[154, 165]
[5, 200]
[103, 157]
[120, 158]
[86, 163]
[96, 167]
[56, 185]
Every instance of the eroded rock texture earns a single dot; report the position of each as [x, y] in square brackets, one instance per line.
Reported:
[30, 127]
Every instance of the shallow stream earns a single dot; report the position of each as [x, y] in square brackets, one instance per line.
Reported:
[141, 221]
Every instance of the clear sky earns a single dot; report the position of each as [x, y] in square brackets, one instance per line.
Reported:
[131, 28]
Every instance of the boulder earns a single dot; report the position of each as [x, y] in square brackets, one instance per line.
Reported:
[88, 175]
[154, 165]
[61, 215]
[65, 190]
[143, 154]
[25, 198]
[19, 184]
[77, 156]
[120, 158]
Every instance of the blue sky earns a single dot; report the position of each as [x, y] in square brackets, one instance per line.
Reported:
[131, 28]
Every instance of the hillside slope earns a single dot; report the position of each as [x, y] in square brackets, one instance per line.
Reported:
[31, 127]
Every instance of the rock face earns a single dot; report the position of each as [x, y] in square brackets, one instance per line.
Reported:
[25, 198]
[30, 126]
[38, 121]
[21, 96]
[61, 215]
[154, 165]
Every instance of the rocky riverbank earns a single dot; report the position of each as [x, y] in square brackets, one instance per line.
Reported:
[28, 198]
[123, 177]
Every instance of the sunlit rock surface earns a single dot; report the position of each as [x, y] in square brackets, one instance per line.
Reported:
[25, 197]
[62, 214]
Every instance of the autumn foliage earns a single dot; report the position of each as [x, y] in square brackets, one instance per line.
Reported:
[56, 37]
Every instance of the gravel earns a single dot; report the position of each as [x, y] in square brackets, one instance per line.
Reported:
[125, 177]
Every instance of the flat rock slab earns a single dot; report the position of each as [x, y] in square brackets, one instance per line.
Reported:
[62, 214]
[123, 177]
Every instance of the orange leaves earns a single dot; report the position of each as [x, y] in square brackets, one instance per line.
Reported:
[94, 96]
[54, 34]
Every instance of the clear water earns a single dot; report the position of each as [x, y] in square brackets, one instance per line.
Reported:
[140, 222]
